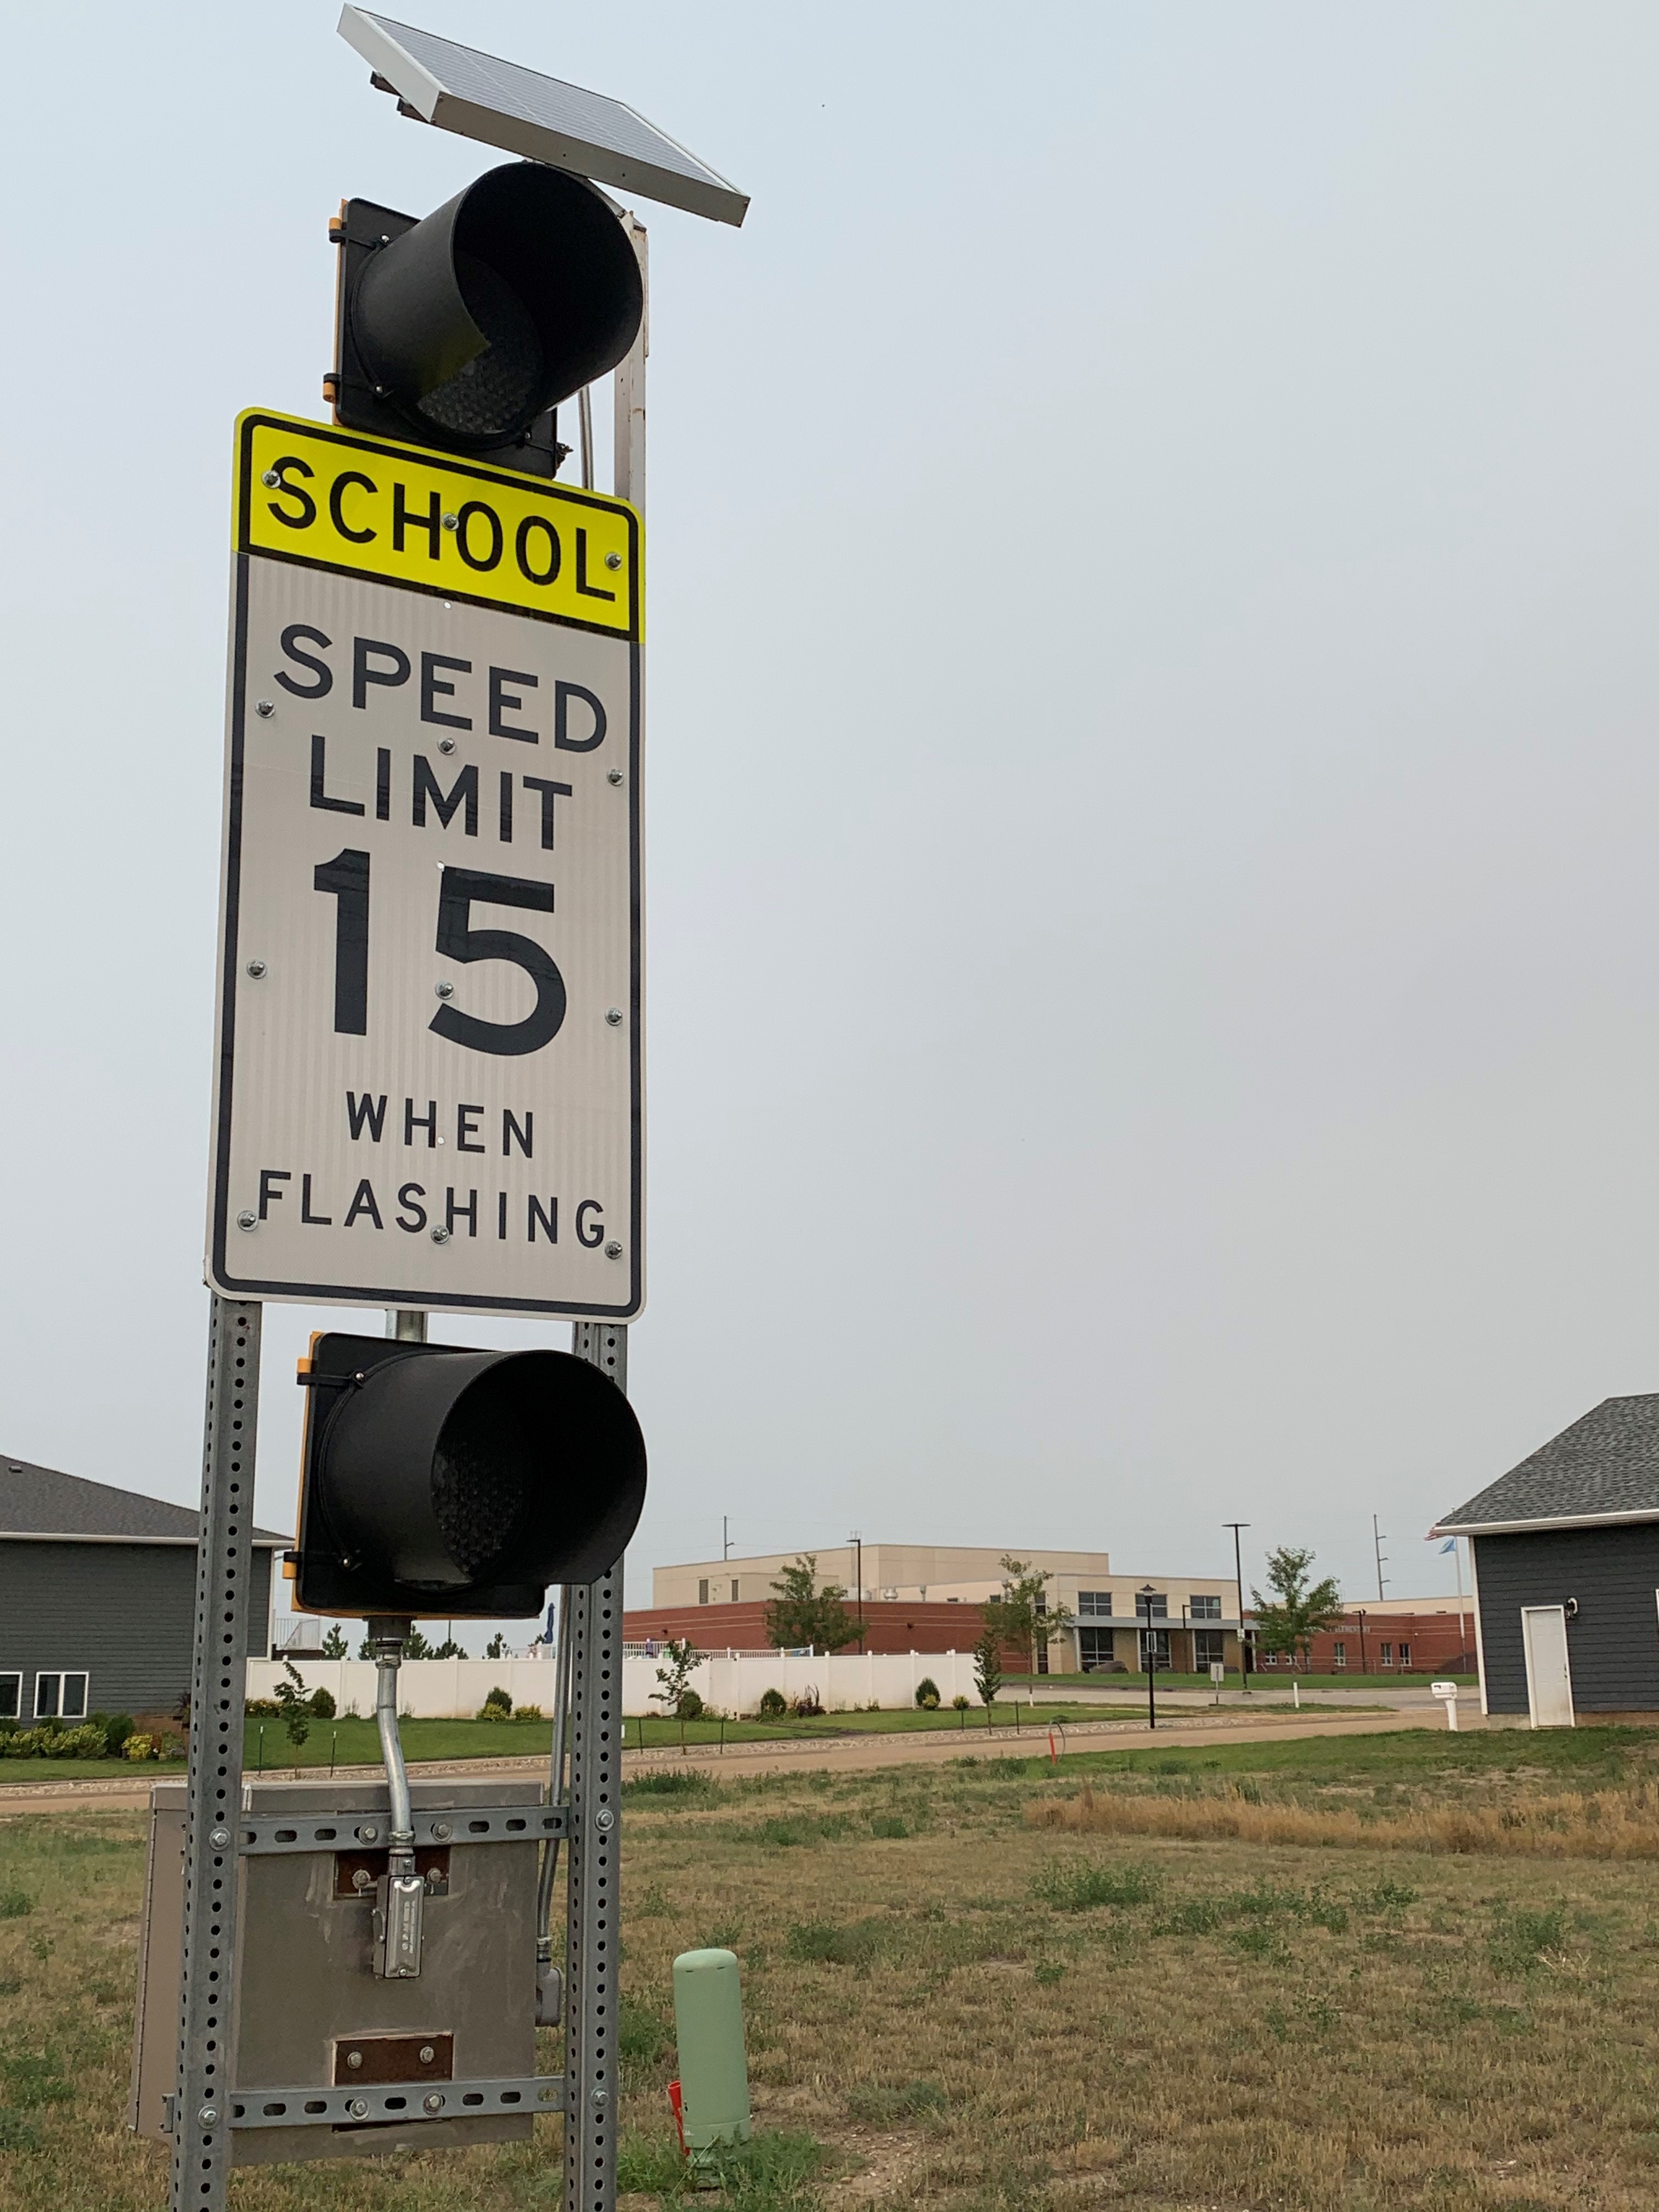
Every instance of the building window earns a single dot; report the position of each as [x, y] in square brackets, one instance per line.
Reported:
[1151, 1604]
[734, 1589]
[1387, 1654]
[1339, 1655]
[1096, 1604]
[1206, 1647]
[1154, 1650]
[12, 1697]
[60, 1696]
[1094, 1648]
[1204, 1608]
[702, 1592]
[1405, 1654]
[1268, 1658]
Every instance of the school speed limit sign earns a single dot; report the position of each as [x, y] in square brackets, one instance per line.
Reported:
[429, 1080]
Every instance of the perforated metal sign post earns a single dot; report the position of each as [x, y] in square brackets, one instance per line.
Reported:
[429, 1082]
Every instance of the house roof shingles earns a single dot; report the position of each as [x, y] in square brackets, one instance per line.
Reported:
[41, 1501]
[1605, 1466]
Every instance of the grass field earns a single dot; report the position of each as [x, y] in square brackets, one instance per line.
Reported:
[968, 1989]
[354, 1742]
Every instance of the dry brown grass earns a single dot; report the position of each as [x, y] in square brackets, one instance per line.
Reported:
[1600, 1823]
[972, 2013]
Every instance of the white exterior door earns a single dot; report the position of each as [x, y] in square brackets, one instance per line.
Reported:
[1549, 1679]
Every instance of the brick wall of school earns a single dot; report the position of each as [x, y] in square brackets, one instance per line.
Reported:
[1390, 1643]
[888, 1626]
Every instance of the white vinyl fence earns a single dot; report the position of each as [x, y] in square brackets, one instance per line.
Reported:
[451, 1689]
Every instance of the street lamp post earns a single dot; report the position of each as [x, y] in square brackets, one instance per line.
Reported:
[1144, 1597]
[1239, 1572]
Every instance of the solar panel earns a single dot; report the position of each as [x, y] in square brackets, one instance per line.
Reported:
[501, 104]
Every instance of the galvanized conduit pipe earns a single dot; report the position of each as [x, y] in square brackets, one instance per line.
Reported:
[555, 1796]
[389, 1637]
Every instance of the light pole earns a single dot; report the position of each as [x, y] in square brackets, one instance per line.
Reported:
[1144, 1597]
[1239, 1572]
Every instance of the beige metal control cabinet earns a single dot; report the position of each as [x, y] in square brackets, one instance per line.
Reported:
[316, 2031]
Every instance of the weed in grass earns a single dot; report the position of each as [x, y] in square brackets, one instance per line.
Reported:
[34, 2078]
[821, 1942]
[651, 2166]
[10, 1984]
[890, 1825]
[769, 2173]
[1385, 1897]
[643, 2036]
[650, 1904]
[1256, 1942]
[883, 2105]
[1046, 1972]
[1079, 1885]
[17, 2130]
[15, 1902]
[1520, 1941]
[672, 1782]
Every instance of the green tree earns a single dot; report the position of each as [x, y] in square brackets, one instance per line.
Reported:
[1289, 1620]
[496, 1647]
[802, 1613]
[295, 1704]
[334, 1643]
[1022, 1616]
[987, 1667]
[449, 1649]
[684, 1659]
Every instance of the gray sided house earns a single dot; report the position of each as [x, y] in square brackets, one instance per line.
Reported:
[1565, 1549]
[98, 1596]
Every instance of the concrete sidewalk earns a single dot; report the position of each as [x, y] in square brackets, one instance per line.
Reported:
[835, 1755]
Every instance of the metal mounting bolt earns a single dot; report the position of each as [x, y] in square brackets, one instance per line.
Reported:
[613, 559]
[614, 775]
[354, 2059]
[445, 990]
[440, 1235]
[446, 745]
[358, 2108]
[441, 1832]
[264, 708]
[256, 969]
[451, 522]
[613, 1250]
[427, 2054]
[247, 1219]
[605, 1820]
[601, 2098]
[271, 480]
[369, 1834]
[207, 2116]
[220, 1838]
[435, 2102]
[614, 1016]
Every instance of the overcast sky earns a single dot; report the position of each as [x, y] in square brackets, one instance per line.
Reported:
[1151, 905]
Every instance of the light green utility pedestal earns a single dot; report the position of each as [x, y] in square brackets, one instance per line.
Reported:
[714, 2069]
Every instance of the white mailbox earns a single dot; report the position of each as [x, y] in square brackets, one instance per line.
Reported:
[1447, 1693]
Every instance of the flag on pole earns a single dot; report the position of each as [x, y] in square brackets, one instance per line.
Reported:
[1450, 1545]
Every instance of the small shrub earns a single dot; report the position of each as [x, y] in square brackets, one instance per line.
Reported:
[689, 1706]
[526, 1712]
[116, 1729]
[140, 1746]
[959, 1703]
[15, 1902]
[772, 1705]
[262, 1709]
[928, 1695]
[322, 1706]
[497, 1706]
[809, 1704]
[1079, 1885]
[1521, 1939]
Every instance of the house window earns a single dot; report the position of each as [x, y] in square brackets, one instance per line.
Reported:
[1094, 1648]
[1204, 1608]
[1405, 1654]
[702, 1592]
[1387, 1654]
[1206, 1647]
[1096, 1604]
[1338, 1654]
[12, 1697]
[60, 1696]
